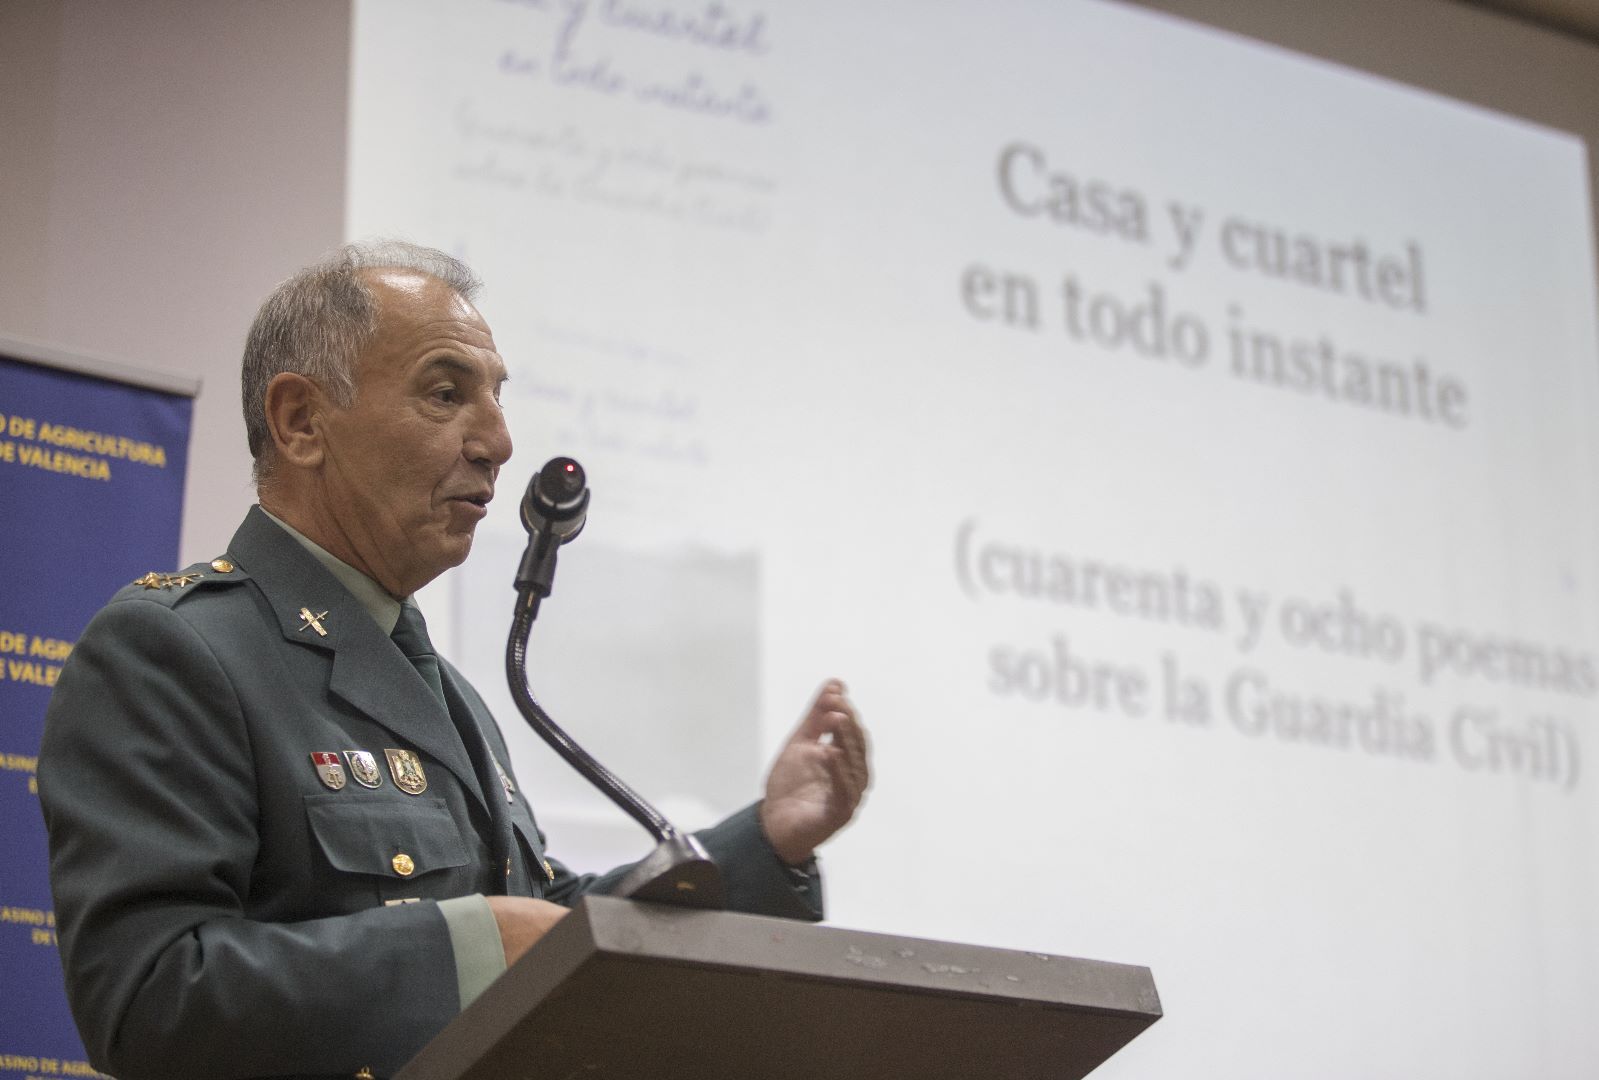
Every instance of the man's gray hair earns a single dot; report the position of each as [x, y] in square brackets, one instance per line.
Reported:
[316, 323]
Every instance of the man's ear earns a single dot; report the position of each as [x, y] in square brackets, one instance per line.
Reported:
[294, 409]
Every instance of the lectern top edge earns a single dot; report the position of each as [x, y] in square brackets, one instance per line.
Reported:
[780, 947]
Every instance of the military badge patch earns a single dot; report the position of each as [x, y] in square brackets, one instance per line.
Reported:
[329, 769]
[406, 768]
[364, 767]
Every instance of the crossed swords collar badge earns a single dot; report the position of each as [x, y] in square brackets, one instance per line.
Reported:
[312, 621]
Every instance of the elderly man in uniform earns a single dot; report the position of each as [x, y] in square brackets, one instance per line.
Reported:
[276, 817]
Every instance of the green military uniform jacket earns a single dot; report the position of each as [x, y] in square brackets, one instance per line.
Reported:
[224, 912]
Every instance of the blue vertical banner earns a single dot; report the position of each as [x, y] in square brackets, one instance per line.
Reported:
[91, 497]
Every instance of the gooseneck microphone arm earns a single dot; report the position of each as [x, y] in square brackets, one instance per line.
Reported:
[553, 511]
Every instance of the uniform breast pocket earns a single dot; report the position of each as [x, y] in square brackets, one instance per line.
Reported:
[403, 849]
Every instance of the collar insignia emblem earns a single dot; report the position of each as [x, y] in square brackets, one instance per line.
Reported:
[309, 621]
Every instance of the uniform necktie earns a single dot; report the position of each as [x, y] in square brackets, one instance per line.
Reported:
[411, 635]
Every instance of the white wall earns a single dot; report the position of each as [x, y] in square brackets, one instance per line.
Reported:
[162, 165]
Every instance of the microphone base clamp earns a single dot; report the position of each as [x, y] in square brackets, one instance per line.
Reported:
[678, 872]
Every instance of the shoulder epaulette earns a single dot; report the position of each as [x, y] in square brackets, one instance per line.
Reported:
[218, 571]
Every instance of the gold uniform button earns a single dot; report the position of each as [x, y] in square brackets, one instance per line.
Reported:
[403, 865]
[222, 566]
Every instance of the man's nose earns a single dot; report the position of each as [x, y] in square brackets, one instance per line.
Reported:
[490, 439]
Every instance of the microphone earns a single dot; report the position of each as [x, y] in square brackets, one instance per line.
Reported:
[553, 511]
[679, 870]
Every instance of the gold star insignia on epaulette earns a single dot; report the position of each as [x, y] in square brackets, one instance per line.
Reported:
[153, 580]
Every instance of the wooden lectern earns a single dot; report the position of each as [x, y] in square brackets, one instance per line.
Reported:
[625, 990]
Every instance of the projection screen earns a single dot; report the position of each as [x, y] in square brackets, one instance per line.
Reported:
[1184, 448]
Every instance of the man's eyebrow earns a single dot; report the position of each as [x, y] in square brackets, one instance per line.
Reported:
[457, 366]
[452, 363]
